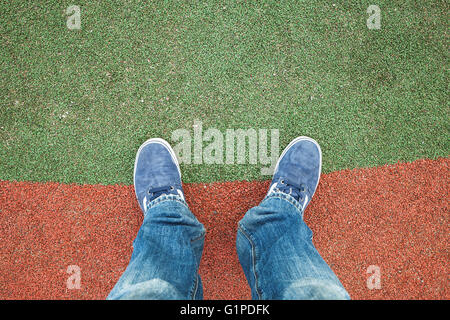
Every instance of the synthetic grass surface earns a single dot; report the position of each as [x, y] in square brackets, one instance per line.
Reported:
[76, 104]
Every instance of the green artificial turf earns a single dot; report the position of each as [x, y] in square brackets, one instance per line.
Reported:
[76, 104]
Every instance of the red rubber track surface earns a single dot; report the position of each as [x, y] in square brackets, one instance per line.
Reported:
[394, 217]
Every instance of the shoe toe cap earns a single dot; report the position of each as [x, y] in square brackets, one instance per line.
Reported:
[301, 164]
[155, 167]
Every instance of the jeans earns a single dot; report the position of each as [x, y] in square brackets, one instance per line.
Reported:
[273, 243]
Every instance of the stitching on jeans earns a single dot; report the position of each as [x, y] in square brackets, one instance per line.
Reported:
[195, 287]
[197, 275]
[258, 291]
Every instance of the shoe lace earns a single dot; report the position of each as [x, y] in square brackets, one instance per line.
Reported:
[159, 191]
[293, 189]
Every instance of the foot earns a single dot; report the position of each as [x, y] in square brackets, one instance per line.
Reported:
[297, 171]
[156, 172]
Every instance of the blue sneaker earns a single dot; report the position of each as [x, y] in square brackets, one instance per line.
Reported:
[156, 172]
[297, 171]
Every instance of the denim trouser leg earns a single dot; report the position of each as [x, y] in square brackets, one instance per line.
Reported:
[278, 257]
[166, 255]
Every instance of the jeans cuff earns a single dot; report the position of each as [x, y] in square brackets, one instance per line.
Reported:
[285, 197]
[165, 198]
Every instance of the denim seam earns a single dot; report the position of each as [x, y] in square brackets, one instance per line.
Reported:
[197, 275]
[195, 288]
[285, 197]
[250, 240]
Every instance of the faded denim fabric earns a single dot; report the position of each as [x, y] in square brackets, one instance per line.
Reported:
[166, 255]
[278, 257]
[273, 243]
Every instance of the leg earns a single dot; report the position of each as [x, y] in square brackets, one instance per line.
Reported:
[273, 242]
[169, 244]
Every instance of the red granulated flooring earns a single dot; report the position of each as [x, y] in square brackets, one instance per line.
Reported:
[394, 217]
